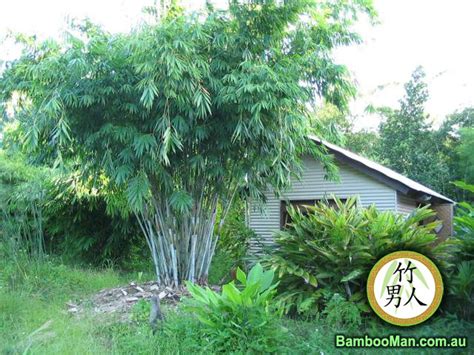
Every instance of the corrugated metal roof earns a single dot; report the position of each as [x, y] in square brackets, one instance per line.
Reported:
[389, 173]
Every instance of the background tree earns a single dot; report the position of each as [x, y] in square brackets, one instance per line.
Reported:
[458, 145]
[328, 120]
[465, 152]
[363, 142]
[338, 127]
[183, 115]
[406, 143]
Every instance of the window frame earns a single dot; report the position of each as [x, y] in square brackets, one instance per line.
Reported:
[298, 202]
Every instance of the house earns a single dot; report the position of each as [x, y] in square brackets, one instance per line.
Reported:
[372, 183]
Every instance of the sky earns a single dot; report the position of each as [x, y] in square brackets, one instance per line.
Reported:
[433, 33]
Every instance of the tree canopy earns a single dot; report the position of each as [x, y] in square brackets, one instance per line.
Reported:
[406, 143]
[410, 143]
[183, 114]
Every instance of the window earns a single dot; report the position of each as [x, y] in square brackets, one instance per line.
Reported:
[285, 218]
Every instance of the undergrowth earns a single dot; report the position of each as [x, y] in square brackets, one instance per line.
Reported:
[34, 320]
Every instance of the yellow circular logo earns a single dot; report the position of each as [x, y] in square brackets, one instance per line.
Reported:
[405, 288]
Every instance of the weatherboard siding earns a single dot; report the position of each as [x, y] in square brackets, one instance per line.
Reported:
[405, 204]
[265, 220]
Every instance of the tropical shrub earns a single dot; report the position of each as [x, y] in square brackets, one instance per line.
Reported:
[461, 287]
[235, 234]
[464, 224]
[82, 226]
[233, 244]
[331, 249]
[461, 280]
[239, 318]
[222, 268]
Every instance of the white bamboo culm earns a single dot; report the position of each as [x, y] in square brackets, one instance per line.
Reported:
[182, 246]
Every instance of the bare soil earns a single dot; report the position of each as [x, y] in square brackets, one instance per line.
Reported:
[120, 300]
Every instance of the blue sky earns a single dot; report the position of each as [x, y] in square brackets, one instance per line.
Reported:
[433, 33]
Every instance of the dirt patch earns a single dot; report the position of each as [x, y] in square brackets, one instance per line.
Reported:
[120, 300]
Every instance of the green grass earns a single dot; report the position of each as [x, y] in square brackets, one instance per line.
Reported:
[306, 337]
[33, 295]
[21, 316]
[181, 334]
[33, 318]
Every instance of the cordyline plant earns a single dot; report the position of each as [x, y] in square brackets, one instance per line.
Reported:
[184, 114]
[329, 250]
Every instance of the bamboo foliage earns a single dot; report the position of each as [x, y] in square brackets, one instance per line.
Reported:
[182, 115]
[22, 194]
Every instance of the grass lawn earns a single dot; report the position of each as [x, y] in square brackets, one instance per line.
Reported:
[33, 319]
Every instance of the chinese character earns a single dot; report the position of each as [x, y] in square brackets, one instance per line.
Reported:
[405, 270]
[394, 291]
[416, 298]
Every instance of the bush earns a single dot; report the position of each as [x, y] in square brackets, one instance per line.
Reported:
[221, 269]
[42, 211]
[81, 225]
[233, 244]
[331, 250]
[462, 289]
[239, 319]
[464, 225]
[342, 314]
[461, 280]
[235, 235]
